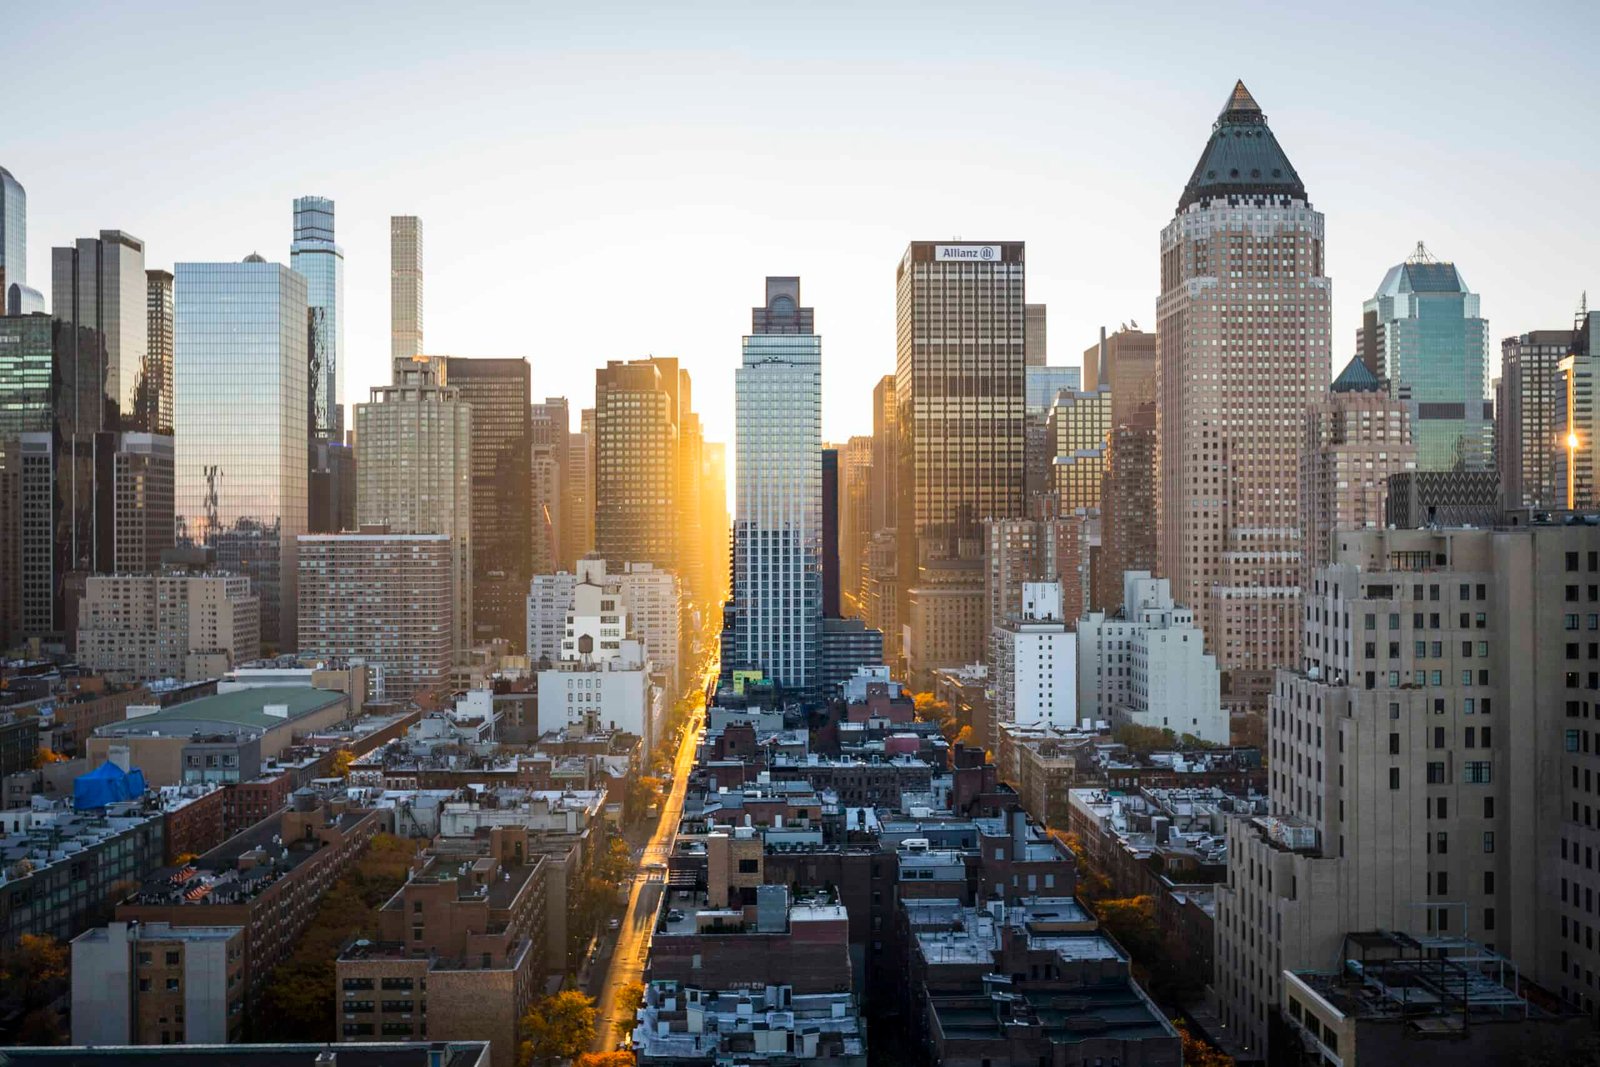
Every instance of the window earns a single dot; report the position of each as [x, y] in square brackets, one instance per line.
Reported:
[1436, 773]
[1394, 777]
[172, 959]
[1488, 844]
[1441, 843]
[1394, 744]
[1488, 809]
[748, 866]
[1477, 772]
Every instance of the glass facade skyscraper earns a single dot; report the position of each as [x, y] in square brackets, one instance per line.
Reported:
[15, 295]
[1422, 331]
[241, 424]
[777, 531]
[316, 257]
[99, 283]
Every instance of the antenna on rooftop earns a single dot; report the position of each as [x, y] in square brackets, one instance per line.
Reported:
[1422, 255]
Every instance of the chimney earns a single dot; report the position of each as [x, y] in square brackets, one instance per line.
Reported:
[121, 756]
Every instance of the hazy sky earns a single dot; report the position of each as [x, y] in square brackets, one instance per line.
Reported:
[606, 181]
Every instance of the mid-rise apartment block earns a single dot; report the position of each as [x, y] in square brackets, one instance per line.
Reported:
[1147, 665]
[189, 626]
[386, 598]
[157, 984]
[1036, 662]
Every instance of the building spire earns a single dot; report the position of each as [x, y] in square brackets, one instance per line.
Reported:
[1240, 103]
[1422, 255]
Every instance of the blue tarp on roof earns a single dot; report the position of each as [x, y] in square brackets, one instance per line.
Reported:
[106, 784]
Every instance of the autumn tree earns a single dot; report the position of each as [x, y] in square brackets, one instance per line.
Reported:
[340, 768]
[1198, 1052]
[616, 1058]
[558, 1027]
[1132, 921]
[630, 998]
[1143, 740]
[33, 976]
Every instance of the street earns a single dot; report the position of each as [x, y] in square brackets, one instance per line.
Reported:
[638, 921]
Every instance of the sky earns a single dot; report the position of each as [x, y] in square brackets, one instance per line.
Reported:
[609, 181]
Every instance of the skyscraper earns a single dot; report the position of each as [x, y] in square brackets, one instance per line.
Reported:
[635, 462]
[241, 425]
[577, 514]
[1035, 318]
[498, 391]
[405, 285]
[99, 283]
[855, 477]
[316, 257]
[777, 533]
[959, 386]
[717, 526]
[1243, 349]
[15, 294]
[1421, 330]
[1126, 360]
[547, 434]
[155, 402]
[1078, 430]
[1525, 418]
[1577, 436]
[414, 472]
[832, 588]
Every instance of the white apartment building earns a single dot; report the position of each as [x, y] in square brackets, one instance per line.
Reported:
[1148, 665]
[614, 692]
[1036, 661]
[138, 627]
[1433, 765]
[641, 601]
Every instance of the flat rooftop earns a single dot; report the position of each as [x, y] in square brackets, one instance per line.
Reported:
[240, 709]
[1114, 1011]
[218, 870]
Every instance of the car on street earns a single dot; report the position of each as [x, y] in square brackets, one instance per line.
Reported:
[613, 924]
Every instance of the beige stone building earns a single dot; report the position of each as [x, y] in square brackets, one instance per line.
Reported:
[947, 615]
[1243, 349]
[1356, 437]
[191, 626]
[1431, 764]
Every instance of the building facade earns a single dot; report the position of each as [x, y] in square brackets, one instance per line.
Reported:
[1243, 348]
[497, 391]
[778, 510]
[1422, 333]
[405, 286]
[414, 466]
[316, 257]
[635, 461]
[1527, 399]
[1036, 662]
[1126, 361]
[155, 412]
[241, 425]
[191, 626]
[156, 984]
[387, 598]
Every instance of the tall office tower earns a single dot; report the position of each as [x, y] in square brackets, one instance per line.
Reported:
[1429, 778]
[959, 387]
[240, 423]
[1034, 334]
[1243, 348]
[15, 294]
[635, 461]
[332, 488]
[717, 524]
[1526, 403]
[142, 490]
[386, 597]
[832, 586]
[691, 551]
[777, 523]
[1126, 361]
[547, 434]
[415, 461]
[405, 286]
[1577, 436]
[99, 283]
[1422, 332]
[321, 262]
[1078, 429]
[577, 511]
[881, 569]
[1041, 386]
[855, 483]
[884, 494]
[154, 409]
[1356, 437]
[498, 392]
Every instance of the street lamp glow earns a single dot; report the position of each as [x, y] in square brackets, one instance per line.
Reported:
[1572, 440]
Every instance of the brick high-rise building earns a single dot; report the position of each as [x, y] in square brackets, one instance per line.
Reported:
[1126, 361]
[1356, 437]
[497, 391]
[1243, 349]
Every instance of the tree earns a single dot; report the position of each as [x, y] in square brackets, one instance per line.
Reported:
[557, 1027]
[33, 976]
[341, 763]
[1132, 921]
[1197, 1052]
[963, 736]
[617, 1058]
[45, 756]
[1143, 740]
[630, 998]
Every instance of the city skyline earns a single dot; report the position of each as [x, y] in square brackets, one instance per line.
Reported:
[881, 99]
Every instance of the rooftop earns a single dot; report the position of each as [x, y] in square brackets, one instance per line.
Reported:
[31, 840]
[1242, 159]
[244, 708]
